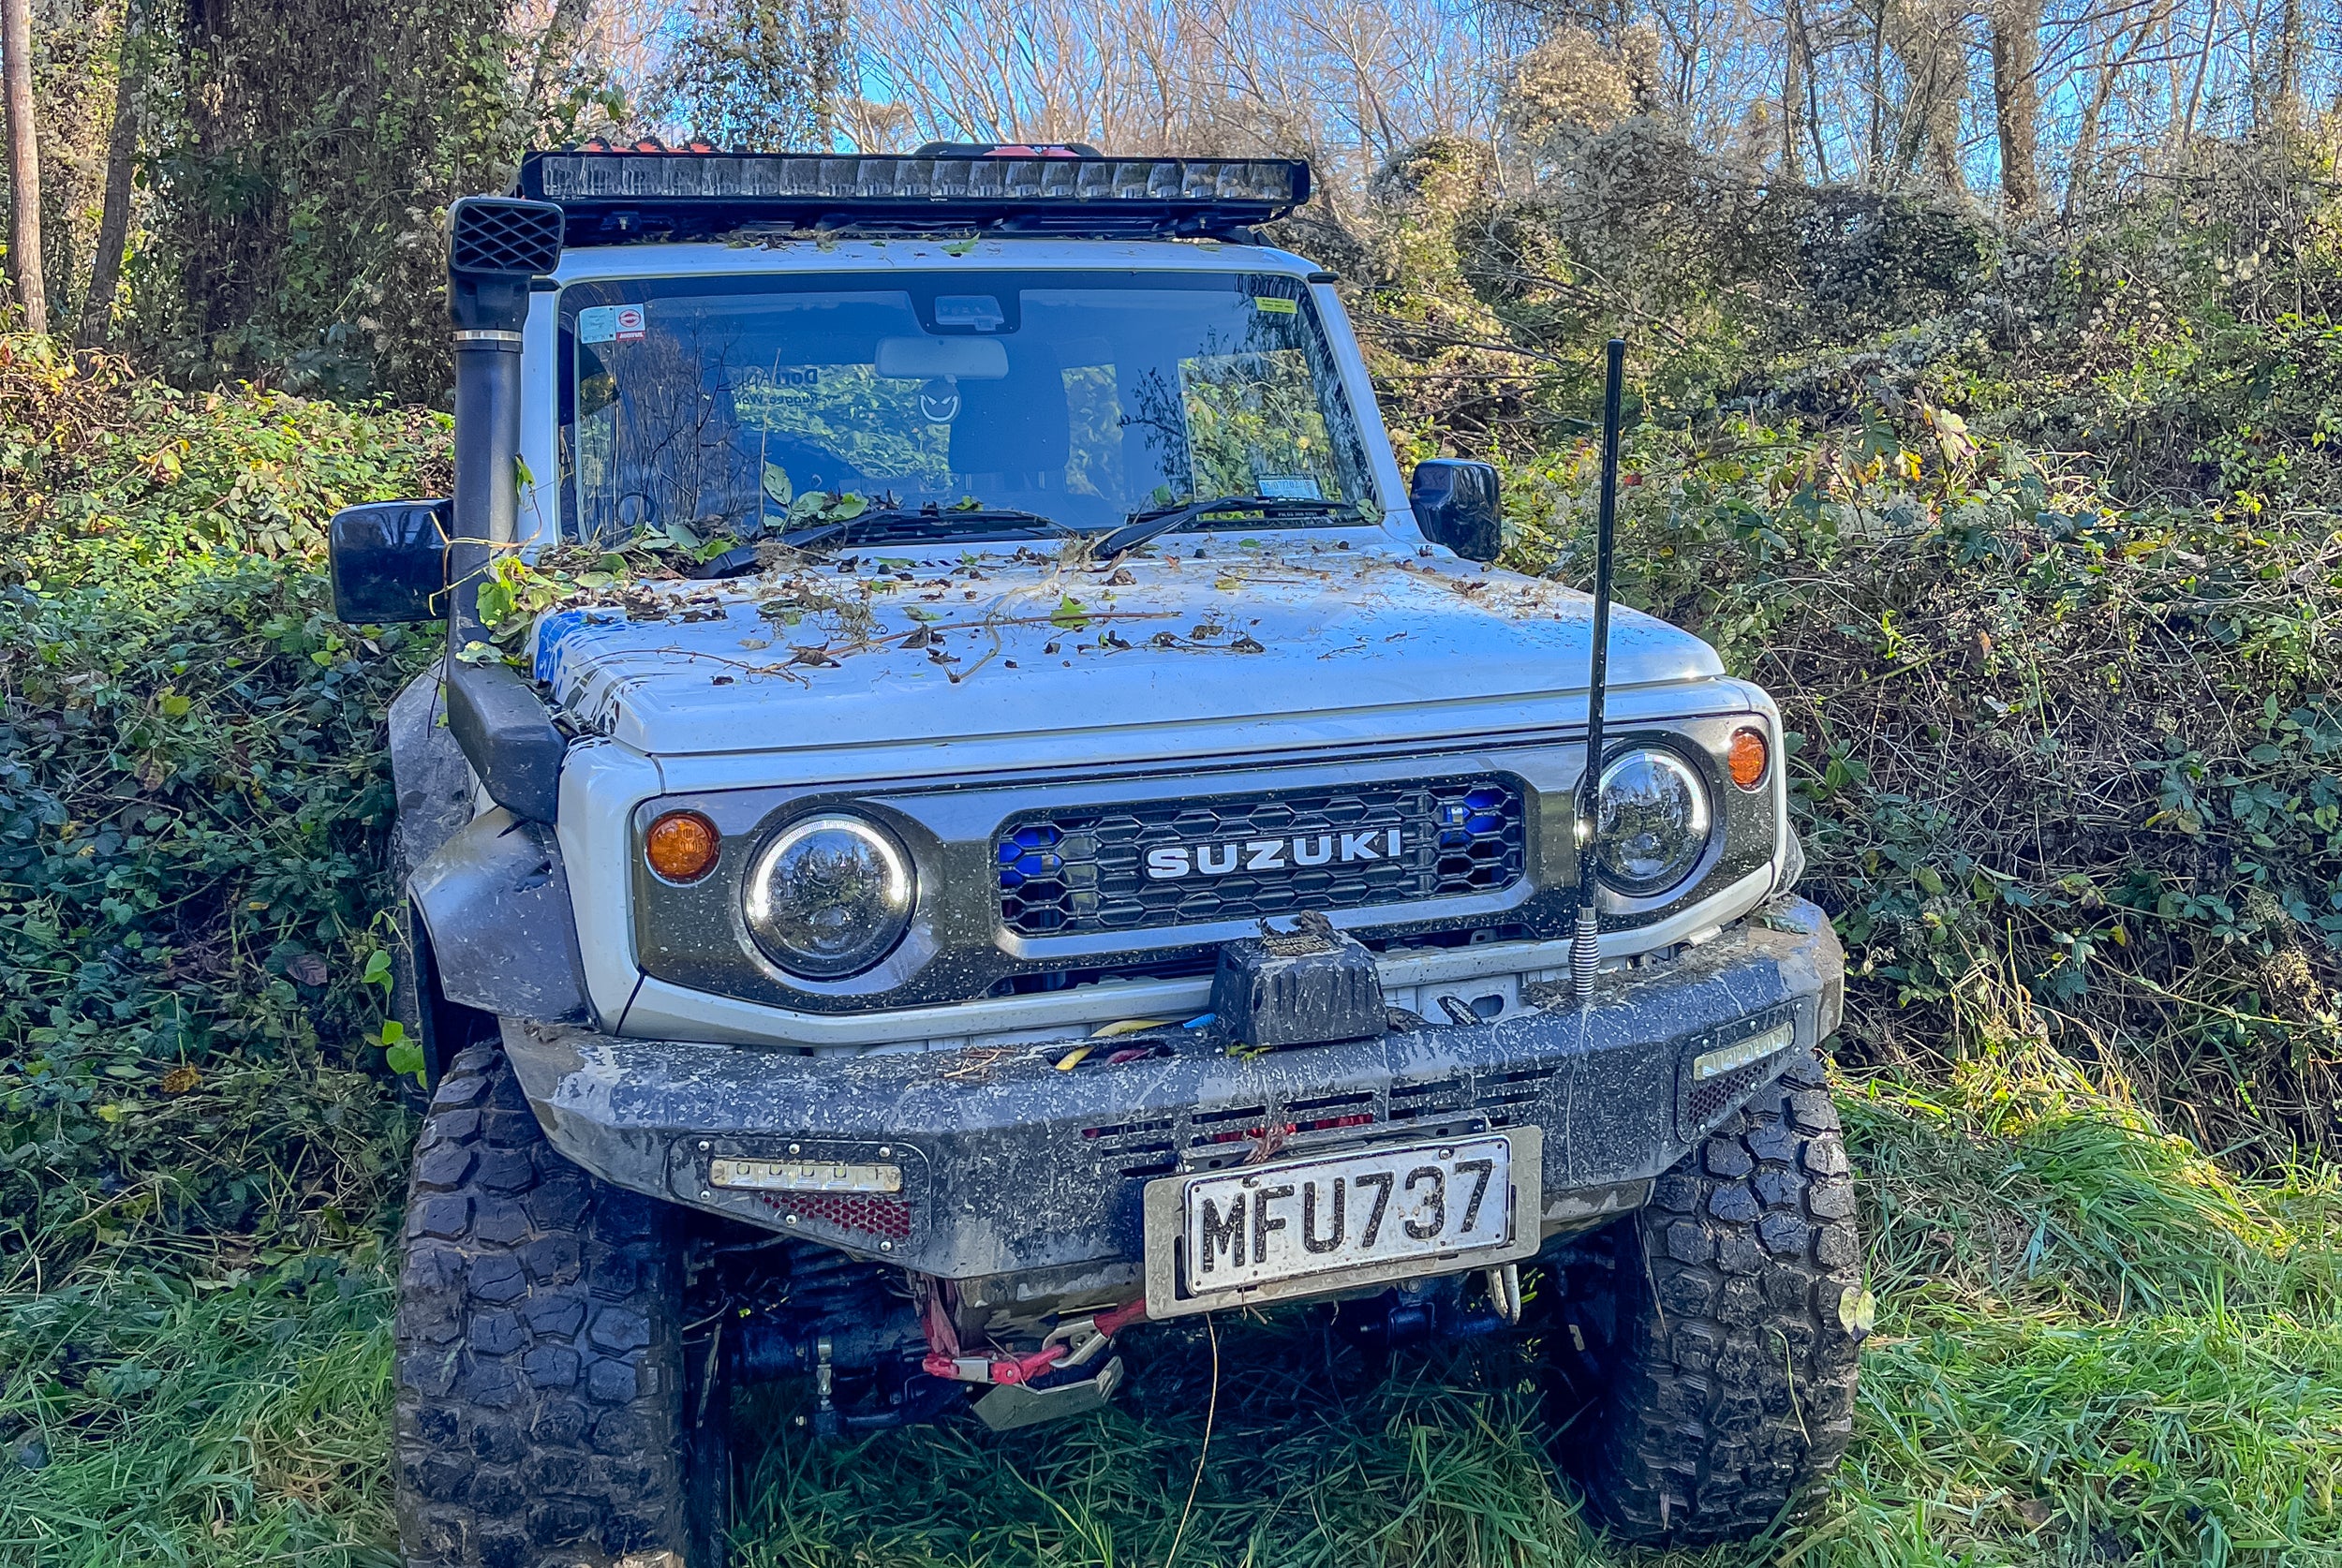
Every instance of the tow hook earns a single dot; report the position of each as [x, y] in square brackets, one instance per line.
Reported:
[1071, 1343]
[1014, 1399]
[1503, 1288]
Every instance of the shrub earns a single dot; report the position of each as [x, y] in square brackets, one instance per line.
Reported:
[193, 795]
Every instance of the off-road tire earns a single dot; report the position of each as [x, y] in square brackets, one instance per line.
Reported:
[540, 1365]
[1727, 1378]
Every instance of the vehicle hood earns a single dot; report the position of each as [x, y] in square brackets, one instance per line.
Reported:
[944, 643]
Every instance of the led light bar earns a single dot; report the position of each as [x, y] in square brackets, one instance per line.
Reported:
[622, 195]
[803, 1176]
[1756, 1048]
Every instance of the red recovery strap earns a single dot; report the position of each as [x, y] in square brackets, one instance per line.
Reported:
[944, 1359]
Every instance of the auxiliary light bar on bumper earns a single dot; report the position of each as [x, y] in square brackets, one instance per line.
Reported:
[980, 1163]
[623, 195]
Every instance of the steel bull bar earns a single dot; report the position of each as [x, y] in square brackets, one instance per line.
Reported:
[990, 1162]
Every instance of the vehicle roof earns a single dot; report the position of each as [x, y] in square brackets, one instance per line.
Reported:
[656, 259]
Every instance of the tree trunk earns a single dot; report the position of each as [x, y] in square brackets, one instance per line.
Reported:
[2277, 98]
[2081, 163]
[555, 47]
[1792, 94]
[2016, 29]
[113, 212]
[1930, 41]
[1875, 160]
[15, 40]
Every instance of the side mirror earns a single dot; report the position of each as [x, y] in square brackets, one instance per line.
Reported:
[1455, 504]
[389, 562]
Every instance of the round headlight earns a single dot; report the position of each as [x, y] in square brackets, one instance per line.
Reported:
[829, 897]
[1652, 823]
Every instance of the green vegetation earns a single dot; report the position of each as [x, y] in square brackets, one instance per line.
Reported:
[2049, 609]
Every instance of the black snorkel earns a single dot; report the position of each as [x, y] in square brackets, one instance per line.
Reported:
[498, 247]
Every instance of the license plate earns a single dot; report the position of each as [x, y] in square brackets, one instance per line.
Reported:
[1254, 1232]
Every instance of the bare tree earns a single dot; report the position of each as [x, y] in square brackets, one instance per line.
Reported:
[113, 214]
[16, 41]
[2067, 92]
[1345, 82]
[555, 47]
[1930, 39]
[2016, 35]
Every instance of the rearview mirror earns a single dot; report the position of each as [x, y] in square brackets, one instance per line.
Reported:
[923, 359]
[389, 562]
[1455, 504]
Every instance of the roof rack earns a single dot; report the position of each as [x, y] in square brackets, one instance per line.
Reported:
[615, 195]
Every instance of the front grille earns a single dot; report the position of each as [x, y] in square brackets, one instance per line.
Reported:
[1193, 862]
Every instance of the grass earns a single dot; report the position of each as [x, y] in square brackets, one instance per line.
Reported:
[2096, 1346]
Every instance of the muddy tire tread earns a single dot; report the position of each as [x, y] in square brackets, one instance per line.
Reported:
[539, 1375]
[1732, 1396]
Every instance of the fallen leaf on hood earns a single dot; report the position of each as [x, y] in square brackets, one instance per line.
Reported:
[1246, 644]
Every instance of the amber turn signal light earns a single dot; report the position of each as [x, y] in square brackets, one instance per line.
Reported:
[1747, 758]
[682, 846]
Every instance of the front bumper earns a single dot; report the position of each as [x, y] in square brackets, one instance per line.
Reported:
[1011, 1167]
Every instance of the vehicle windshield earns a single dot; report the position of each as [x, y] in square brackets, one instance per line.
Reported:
[1082, 398]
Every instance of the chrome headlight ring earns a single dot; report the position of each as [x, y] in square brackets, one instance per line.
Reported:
[829, 896]
[1653, 822]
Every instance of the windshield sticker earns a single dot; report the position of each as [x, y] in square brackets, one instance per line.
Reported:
[1273, 305]
[1290, 487]
[610, 323]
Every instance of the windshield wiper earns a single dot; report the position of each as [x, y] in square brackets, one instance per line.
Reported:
[742, 558]
[954, 523]
[1142, 528]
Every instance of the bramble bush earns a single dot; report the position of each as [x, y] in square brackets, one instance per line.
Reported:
[2031, 535]
[193, 797]
[2045, 748]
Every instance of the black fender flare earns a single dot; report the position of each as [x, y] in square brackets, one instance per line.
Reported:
[494, 899]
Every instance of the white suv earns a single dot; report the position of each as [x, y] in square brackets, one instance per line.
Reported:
[1079, 842]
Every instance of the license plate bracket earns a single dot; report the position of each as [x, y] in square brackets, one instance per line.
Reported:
[1285, 1270]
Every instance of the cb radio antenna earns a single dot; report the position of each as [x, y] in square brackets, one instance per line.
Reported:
[1585, 951]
